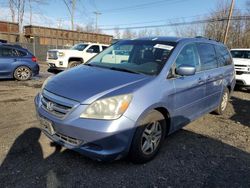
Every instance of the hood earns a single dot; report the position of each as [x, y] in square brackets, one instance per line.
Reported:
[63, 50]
[86, 84]
[241, 61]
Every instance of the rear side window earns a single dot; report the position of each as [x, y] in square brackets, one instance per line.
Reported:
[8, 52]
[104, 47]
[207, 56]
[240, 54]
[21, 53]
[223, 55]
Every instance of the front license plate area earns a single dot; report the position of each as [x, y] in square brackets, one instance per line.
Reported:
[47, 125]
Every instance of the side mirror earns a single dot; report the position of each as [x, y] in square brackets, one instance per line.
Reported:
[185, 70]
[90, 50]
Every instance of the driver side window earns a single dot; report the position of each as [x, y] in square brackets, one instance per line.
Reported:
[188, 56]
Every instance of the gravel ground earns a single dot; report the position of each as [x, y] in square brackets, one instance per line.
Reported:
[213, 151]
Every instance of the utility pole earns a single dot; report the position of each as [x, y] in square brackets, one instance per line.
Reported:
[59, 25]
[96, 20]
[228, 21]
[73, 13]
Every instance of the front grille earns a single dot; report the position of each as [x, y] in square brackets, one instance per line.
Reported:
[68, 140]
[55, 108]
[52, 55]
[239, 72]
[240, 65]
[240, 82]
[52, 65]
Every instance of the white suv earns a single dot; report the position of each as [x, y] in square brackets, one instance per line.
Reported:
[61, 59]
[241, 58]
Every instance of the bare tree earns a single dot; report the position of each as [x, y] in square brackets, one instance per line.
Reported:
[71, 6]
[248, 6]
[17, 8]
[117, 33]
[237, 35]
[188, 30]
[12, 10]
[32, 3]
[157, 31]
[214, 28]
[90, 27]
[128, 34]
[145, 33]
[247, 27]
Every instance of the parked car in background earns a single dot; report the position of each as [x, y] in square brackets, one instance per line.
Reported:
[241, 58]
[61, 59]
[17, 62]
[112, 107]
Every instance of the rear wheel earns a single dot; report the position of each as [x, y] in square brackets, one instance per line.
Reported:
[22, 73]
[73, 64]
[148, 137]
[223, 102]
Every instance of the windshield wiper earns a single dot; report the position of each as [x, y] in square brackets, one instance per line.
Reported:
[124, 70]
[94, 65]
[113, 68]
[87, 64]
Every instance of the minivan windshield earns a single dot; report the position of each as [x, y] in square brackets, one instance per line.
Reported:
[79, 47]
[241, 54]
[135, 56]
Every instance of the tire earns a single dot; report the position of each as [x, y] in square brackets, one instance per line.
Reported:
[148, 138]
[73, 64]
[22, 73]
[223, 102]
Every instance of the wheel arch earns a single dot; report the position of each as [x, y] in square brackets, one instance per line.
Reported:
[163, 110]
[166, 115]
[75, 59]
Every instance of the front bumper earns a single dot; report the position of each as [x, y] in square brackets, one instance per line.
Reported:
[99, 139]
[243, 79]
[58, 64]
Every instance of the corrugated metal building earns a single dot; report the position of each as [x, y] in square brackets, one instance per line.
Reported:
[61, 37]
[9, 31]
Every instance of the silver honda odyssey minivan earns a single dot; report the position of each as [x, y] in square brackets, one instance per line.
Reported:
[127, 99]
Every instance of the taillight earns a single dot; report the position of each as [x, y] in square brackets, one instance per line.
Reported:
[34, 59]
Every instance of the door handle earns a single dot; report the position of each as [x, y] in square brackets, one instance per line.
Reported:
[220, 76]
[209, 78]
[200, 81]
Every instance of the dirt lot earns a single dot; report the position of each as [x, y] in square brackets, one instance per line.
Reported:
[213, 151]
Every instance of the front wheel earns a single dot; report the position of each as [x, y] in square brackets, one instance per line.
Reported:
[223, 102]
[73, 64]
[148, 137]
[22, 73]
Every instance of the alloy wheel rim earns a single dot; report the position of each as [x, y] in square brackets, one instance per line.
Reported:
[23, 73]
[151, 137]
[224, 101]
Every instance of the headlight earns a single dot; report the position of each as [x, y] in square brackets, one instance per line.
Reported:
[109, 108]
[45, 82]
[61, 54]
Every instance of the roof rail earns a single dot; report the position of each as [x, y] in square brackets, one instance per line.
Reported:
[13, 45]
[201, 37]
